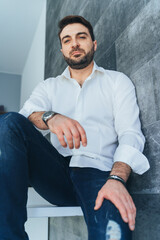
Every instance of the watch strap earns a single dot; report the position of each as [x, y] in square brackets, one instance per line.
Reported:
[48, 115]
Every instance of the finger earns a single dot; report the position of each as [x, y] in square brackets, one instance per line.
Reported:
[99, 201]
[131, 211]
[130, 216]
[69, 137]
[122, 209]
[126, 212]
[61, 138]
[76, 136]
[83, 136]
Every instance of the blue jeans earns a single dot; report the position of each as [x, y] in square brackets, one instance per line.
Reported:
[27, 158]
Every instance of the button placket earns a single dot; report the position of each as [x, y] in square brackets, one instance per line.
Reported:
[78, 105]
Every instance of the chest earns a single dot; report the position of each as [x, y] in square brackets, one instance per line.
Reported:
[91, 101]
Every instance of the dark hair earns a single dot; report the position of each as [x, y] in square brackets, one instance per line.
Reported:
[75, 19]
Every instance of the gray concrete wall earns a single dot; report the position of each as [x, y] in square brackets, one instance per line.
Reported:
[128, 35]
[67, 228]
[10, 85]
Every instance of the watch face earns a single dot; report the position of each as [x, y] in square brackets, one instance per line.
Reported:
[48, 114]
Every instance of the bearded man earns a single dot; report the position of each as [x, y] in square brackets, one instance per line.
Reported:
[96, 141]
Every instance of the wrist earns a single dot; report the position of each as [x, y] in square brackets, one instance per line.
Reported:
[47, 116]
[122, 170]
[117, 178]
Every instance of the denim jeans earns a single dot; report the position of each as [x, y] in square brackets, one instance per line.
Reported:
[27, 158]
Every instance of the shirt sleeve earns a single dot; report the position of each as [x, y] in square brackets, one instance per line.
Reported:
[128, 127]
[37, 102]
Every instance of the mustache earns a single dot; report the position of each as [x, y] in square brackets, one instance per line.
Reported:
[76, 49]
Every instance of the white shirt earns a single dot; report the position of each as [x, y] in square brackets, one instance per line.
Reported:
[107, 109]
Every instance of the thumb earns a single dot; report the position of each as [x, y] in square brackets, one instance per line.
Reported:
[98, 203]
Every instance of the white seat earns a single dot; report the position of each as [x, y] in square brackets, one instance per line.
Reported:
[38, 207]
[39, 211]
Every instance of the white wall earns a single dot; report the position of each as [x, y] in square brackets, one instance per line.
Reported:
[10, 85]
[32, 74]
[33, 71]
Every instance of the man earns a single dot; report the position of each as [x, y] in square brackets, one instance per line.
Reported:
[92, 115]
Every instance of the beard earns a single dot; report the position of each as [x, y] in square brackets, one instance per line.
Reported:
[82, 62]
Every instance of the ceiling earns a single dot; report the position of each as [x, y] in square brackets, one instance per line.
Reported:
[18, 23]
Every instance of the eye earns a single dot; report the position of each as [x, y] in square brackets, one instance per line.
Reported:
[66, 41]
[82, 37]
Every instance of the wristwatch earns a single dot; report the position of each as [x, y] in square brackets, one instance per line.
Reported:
[48, 115]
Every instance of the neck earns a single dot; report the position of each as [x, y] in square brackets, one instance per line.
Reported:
[80, 75]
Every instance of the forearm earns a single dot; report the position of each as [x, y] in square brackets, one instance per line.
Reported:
[36, 119]
[122, 170]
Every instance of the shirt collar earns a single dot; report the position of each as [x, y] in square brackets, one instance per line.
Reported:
[66, 72]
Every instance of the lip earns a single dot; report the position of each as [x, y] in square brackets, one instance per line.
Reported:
[76, 53]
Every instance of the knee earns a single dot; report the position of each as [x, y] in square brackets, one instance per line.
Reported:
[108, 229]
[11, 116]
[11, 120]
[113, 231]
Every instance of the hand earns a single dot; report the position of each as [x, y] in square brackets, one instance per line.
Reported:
[73, 131]
[115, 192]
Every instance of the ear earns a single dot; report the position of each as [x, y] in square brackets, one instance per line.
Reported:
[95, 45]
[61, 50]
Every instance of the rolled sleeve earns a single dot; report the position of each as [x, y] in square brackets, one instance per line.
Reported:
[133, 157]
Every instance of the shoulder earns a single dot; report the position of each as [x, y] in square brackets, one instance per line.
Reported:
[115, 75]
[50, 82]
[46, 86]
[117, 78]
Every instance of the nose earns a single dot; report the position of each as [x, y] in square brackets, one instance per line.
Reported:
[75, 43]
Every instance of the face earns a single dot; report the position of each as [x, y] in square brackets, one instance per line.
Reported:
[77, 45]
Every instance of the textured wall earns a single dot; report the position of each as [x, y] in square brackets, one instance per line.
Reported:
[128, 35]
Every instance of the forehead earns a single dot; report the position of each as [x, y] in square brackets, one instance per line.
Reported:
[73, 29]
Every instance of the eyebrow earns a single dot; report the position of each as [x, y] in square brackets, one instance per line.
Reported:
[82, 33]
[79, 33]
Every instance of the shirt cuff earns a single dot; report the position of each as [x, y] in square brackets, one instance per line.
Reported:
[133, 157]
